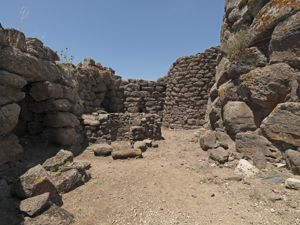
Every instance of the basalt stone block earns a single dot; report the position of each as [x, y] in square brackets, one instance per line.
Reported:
[45, 90]
[10, 149]
[9, 115]
[61, 119]
[13, 38]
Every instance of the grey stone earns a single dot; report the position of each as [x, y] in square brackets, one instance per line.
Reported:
[9, 115]
[238, 117]
[13, 38]
[36, 47]
[293, 160]
[12, 80]
[219, 154]
[125, 154]
[60, 159]
[61, 119]
[53, 216]
[208, 140]
[35, 205]
[292, 183]
[245, 168]
[283, 124]
[10, 95]
[10, 149]
[102, 149]
[45, 90]
[63, 136]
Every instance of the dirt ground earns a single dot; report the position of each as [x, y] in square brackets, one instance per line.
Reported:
[177, 184]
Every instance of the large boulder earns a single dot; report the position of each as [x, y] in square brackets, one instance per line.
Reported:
[53, 216]
[9, 115]
[12, 80]
[270, 15]
[62, 136]
[36, 47]
[13, 38]
[285, 42]
[28, 66]
[10, 149]
[292, 158]
[256, 148]
[10, 95]
[35, 205]
[61, 158]
[41, 91]
[61, 119]
[269, 85]
[238, 117]
[283, 124]
[34, 182]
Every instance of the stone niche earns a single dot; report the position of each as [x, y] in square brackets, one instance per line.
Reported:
[104, 127]
[188, 84]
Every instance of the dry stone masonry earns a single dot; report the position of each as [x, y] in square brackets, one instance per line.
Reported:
[188, 84]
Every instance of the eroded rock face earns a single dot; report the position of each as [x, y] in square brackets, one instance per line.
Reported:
[283, 124]
[61, 158]
[285, 42]
[269, 85]
[238, 117]
[36, 47]
[13, 38]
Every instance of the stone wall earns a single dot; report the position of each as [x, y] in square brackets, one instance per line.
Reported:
[142, 96]
[101, 127]
[188, 84]
[36, 95]
[256, 95]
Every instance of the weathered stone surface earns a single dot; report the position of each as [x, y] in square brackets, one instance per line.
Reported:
[45, 90]
[270, 15]
[293, 183]
[63, 136]
[208, 140]
[283, 124]
[54, 216]
[140, 145]
[61, 119]
[4, 189]
[228, 92]
[222, 72]
[11, 80]
[293, 160]
[10, 95]
[35, 205]
[34, 182]
[9, 115]
[29, 67]
[219, 154]
[125, 154]
[102, 149]
[36, 47]
[61, 158]
[51, 105]
[248, 59]
[251, 145]
[285, 42]
[245, 168]
[10, 149]
[13, 38]
[238, 117]
[269, 85]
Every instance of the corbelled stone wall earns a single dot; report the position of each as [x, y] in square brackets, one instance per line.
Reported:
[188, 84]
[256, 97]
[121, 126]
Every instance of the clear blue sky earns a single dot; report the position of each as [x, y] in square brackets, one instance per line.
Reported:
[137, 38]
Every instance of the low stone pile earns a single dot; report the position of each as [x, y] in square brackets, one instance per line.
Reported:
[101, 127]
[39, 189]
[188, 84]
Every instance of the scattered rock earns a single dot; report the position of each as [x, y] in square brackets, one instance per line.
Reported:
[35, 205]
[61, 158]
[293, 160]
[245, 168]
[53, 216]
[219, 154]
[208, 140]
[293, 183]
[125, 154]
[140, 145]
[102, 149]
